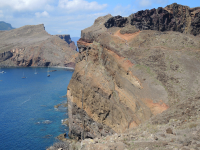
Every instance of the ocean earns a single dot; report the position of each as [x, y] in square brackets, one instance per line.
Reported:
[28, 119]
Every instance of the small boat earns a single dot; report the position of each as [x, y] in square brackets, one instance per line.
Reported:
[48, 75]
[2, 71]
[35, 71]
[23, 76]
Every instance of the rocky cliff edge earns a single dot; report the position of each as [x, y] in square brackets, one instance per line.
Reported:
[31, 45]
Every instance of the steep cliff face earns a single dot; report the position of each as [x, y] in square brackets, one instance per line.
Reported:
[33, 46]
[123, 78]
[67, 39]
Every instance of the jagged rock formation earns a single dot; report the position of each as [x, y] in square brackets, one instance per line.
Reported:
[67, 39]
[171, 18]
[31, 45]
[122, 79]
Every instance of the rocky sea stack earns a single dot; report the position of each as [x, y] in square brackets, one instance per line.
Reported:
[31, 45]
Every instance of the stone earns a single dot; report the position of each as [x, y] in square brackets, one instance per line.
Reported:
[169, 131]
[62, 137]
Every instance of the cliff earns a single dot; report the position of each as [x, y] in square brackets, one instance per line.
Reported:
[31, 45]
[131, 69]
[67, 39]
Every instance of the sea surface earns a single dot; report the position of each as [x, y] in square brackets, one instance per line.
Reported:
[28, 119]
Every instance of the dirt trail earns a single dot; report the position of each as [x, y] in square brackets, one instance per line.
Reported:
[127, 37]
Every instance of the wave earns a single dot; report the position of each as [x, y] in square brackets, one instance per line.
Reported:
[26, 100]
[46, 122]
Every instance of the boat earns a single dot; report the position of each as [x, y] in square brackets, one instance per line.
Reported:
[23, 76]
[2, 71]
[35, 71]
[48, 75]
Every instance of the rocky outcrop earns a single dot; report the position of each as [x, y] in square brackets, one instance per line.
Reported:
[6, 55]
[31, 45]
[67, 39]
[173, 17]
[122, 79]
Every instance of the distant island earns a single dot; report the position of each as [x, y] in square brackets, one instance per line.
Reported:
[5, 26]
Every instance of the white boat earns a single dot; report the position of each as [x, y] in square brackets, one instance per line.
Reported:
[2, 71]
[35, 71]
[48, 75]
[23, 76]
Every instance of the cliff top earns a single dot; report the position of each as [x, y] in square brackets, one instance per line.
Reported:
[25, 35]
[173, 17]
[5, 26]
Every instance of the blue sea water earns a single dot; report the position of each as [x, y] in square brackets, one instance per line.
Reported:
[28, 120]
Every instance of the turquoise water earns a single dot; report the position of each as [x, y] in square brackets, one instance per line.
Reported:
[28, 120]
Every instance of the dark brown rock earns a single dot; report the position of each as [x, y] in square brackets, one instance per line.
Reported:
[62, 137]
[117, 21]
[173, 17]
[169, 131]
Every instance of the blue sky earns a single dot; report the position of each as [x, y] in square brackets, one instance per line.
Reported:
[72, 16]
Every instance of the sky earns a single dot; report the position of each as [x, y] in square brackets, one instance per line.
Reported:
[72, 16]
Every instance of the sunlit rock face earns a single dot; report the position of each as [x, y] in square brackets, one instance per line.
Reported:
[126, 73]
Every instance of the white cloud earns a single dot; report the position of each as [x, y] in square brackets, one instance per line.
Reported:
[23, 5]
[49, 7]
[78, 5]
[42, 14]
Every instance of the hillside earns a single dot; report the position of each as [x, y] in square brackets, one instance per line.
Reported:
[31, 45]
[136, 82]
[5, 26]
